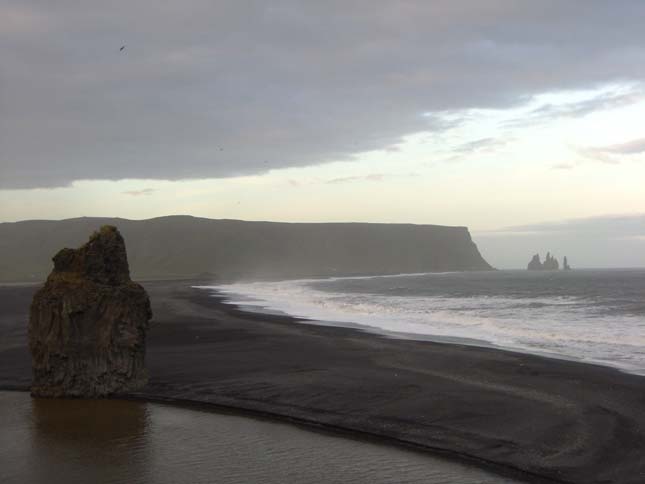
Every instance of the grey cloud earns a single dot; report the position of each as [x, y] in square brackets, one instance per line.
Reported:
[218, 89]
[602, 102]
[607, 154]
[598, 155]
[371, 177]
[478, 146]
[582, 108]
[138, 193]
[483, 144]
[629, 148]
[610, 225]
[374, 177]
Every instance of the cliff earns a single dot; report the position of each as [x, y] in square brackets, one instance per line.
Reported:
[87, 325]
[181, 246]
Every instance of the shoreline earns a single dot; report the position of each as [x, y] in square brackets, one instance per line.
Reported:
[227, 298]
[239, 307]
[544, 420]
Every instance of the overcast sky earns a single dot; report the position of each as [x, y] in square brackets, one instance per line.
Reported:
[490, 114]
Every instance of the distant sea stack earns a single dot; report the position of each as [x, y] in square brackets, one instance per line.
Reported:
[535, 264]
[565, 264]
[87, 326]
[228, 250]
[550, 263]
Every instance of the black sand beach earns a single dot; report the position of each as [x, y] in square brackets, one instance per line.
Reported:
[553, 420]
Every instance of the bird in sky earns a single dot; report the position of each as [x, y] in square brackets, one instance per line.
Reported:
[122, 48]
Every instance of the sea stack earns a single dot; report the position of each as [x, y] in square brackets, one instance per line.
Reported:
[565, 264]
[87, 326]
[535, 264]
[550, 263]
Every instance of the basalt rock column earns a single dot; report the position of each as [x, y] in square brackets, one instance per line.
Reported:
[87, 327]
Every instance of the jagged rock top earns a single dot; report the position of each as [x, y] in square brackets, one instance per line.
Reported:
[103, 259]
[550, 263]
[535, 264]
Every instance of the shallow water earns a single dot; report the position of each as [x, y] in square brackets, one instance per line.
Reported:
[108, 441]
[596, 316]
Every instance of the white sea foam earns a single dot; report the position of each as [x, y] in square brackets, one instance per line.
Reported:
[565, 326]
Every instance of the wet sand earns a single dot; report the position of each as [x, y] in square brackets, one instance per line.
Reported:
[553, 420]
[51, 441]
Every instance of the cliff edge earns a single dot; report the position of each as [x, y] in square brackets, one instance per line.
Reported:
[189, 247]
[87, 325]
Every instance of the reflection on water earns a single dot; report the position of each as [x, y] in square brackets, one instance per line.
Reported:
[48, 440]
[106, 441]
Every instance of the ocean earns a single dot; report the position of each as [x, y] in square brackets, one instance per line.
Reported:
[595, 316]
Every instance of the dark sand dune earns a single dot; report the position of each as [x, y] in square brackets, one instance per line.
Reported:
[555, 421]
